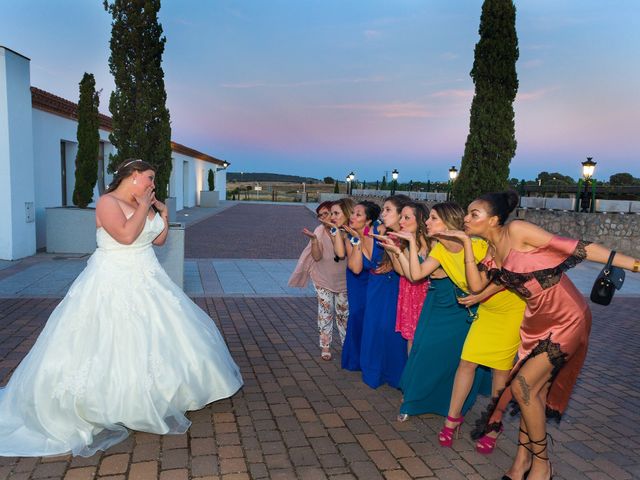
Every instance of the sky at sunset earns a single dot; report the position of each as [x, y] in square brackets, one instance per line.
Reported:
[320, 88]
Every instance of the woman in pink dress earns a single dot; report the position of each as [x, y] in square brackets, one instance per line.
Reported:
[413, 219]
[555, 330]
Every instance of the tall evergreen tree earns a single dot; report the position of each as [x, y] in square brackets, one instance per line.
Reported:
[491, 143]
[88, 136]
[210, 180]
[141, 123]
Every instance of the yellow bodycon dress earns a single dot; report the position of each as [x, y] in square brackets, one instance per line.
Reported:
[494, 336]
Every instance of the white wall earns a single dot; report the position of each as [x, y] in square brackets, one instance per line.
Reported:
[17, 232]
[48, 131]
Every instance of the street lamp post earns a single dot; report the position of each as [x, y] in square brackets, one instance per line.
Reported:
[453, 174]
[394, 175]
[352, 177]
[348, 184]
[587, 199]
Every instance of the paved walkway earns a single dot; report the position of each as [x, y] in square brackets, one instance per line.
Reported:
[300, 417]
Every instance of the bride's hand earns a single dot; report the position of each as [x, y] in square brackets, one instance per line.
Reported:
[147, 198]
[161, 207]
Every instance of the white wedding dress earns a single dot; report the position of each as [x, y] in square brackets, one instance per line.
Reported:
[125, 349]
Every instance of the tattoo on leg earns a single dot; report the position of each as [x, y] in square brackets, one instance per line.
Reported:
[526, 394]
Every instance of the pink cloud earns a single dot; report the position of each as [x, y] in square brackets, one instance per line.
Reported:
[387, 110]
[535, 94]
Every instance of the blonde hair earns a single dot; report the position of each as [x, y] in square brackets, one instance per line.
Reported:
[451, 214]
[346, 205]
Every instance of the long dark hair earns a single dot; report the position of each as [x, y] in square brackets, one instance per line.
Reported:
[126, 169]
[421, 211]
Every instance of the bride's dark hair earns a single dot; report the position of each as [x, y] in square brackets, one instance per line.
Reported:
[125, 169]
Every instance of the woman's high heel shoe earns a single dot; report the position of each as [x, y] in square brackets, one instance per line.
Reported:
[445, 437]
[486, 444]
[542, 454]
[525, 445]
[402, 417]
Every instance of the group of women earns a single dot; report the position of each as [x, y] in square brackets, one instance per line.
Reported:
[444, 304]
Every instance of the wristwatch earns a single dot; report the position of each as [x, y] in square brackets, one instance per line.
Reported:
[354, 241]
[333, 231]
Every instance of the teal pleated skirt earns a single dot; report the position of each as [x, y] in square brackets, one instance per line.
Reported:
[427, 380]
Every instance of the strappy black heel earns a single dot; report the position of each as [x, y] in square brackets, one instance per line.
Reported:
[542, 454]
[525, 445]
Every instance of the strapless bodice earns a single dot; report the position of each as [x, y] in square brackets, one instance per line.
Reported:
[152, 228]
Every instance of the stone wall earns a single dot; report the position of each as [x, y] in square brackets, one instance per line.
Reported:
[616, 231]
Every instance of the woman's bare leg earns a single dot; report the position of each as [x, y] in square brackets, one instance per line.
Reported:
[530, 388]
[461, 387]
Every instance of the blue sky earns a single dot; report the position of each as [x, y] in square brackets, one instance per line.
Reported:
[324, 87]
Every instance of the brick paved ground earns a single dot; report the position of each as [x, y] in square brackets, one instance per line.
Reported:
[250, 231]
[300, 417]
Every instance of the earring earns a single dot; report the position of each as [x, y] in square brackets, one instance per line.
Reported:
[135, 182]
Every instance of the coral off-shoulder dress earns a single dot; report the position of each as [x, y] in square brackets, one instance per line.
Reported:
[557, 319]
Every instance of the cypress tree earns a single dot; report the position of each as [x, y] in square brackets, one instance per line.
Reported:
[86, 173]
[141, 123]
[210, 180]
[491, 143]
[336, 188]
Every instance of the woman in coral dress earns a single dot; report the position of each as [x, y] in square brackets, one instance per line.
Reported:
[555, 330]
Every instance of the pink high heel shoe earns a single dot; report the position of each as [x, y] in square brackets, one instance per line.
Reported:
[445, 437]
[486, 444]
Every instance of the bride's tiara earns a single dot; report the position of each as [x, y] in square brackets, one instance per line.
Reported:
[127, 164]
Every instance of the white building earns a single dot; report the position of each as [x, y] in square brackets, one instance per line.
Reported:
[38, 148]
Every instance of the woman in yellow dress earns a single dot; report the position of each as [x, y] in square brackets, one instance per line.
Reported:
[493, 338]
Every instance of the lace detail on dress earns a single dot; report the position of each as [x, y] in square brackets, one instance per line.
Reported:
[155, 368]
[547, 277]
[74, 383]
[558, 360]
[556, 356]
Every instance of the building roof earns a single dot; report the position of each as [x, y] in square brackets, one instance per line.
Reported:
[51, 103]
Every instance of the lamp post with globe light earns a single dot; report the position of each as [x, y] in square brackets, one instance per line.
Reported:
[453, 174]
[394, 176]
[586, 183]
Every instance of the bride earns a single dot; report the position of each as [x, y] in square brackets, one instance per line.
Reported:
[125, 349]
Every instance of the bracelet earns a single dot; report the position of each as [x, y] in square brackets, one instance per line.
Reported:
[470, 261]
[333, 231]
[355, 241]
[636, 266]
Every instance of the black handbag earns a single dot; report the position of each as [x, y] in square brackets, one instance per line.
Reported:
[608, 281]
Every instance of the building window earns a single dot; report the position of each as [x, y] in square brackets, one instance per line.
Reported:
[63, 172]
